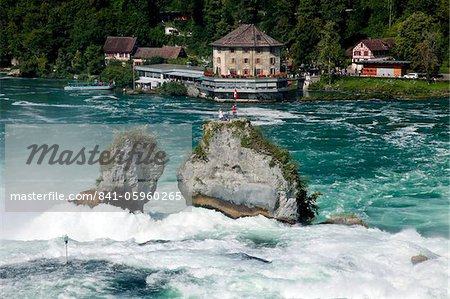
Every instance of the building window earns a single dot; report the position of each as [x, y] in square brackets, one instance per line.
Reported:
[245, 71]
[232, 50]
[357, 53]
[366, 53]
[258, 51]
[258, 72]
[272, 60]
[233, 60]
[218, 59]
[245, 60]
[232, 71]
[272, 71]
[120, 54]
[258, 37]
[257, 60]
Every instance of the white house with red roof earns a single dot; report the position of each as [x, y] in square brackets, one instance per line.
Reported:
[371, 49]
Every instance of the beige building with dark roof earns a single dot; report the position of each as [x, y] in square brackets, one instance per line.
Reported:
[166, 52]
[119, 48]
[246, 51]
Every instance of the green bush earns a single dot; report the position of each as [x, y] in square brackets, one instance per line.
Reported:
[121, 74]
[173, 89]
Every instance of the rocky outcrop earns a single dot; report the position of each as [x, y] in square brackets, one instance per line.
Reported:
[345, 220]
[135, 171]
[236, 171]
[193, 91]
[417, 259]
[14, 73]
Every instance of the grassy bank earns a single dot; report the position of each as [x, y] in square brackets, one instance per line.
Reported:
[383, 87]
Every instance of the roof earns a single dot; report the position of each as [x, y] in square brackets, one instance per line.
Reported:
[349, 52]
[246, 35]
[167, 68]
[165, 52]
[189, 74]
[119, 44]
[378, 44]
[383, 62]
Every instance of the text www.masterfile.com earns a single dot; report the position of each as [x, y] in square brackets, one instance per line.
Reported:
[96, 195]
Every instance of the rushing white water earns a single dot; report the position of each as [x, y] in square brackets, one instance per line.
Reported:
[209, 254]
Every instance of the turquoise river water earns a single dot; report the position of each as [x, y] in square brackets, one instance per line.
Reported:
[385, 161]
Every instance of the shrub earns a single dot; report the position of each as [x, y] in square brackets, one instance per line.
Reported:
[121, 74]
[173, 89]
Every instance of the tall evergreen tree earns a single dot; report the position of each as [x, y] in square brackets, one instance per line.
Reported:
[329, 50]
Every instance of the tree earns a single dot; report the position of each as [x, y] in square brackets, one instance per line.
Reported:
[280, 20]
[329, 50]
[60, 68]
[428, 54]
[76, 63]
[418, 38]
[121, 75]
[306, 34]
[94, 59]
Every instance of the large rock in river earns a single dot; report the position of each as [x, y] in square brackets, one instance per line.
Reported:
[236, 171]
[130, 179]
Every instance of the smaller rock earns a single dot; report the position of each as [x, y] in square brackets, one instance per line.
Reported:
[125, 176]
[417, 259]
[15, 73]
[88, 198]
[345, 220]
[193, 91]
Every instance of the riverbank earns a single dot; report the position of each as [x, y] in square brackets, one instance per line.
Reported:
[351, 88]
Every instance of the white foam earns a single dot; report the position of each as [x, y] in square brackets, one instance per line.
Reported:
[101, 97]
[202, 112]
[309, 262]
[405, 137]
[266, 113]
[33, 104]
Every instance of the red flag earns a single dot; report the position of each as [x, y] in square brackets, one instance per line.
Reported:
[235, 94]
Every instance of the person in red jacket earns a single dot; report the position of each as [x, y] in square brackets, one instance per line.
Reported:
[234, 111]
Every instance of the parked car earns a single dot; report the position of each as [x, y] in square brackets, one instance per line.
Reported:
[411, 76]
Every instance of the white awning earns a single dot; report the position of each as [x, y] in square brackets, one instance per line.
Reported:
[147, 80]
[183, 74]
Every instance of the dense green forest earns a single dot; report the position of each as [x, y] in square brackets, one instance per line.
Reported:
[61, 38]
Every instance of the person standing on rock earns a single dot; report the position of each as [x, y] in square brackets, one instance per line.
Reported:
[234, 111]
[220, 114]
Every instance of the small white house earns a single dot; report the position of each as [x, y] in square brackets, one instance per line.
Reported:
[171, 31]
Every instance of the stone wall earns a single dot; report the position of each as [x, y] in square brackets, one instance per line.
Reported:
[225, 60]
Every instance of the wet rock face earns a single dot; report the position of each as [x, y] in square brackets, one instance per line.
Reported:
[417, 259]
[134, 173]
[345, 220]
[131, 178]
[227, 175]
